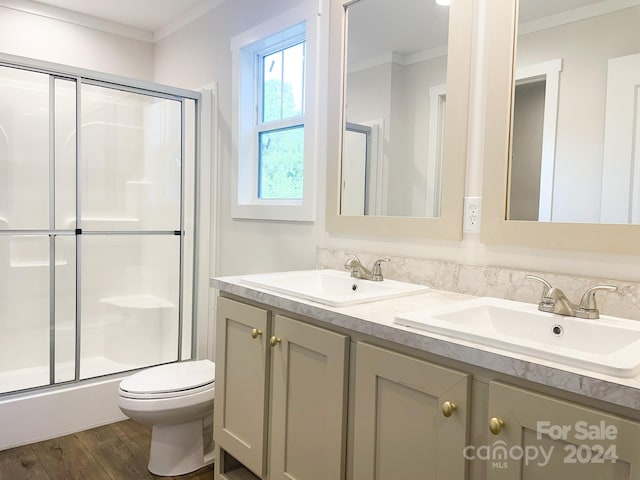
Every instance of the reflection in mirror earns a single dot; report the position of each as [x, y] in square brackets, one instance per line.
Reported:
[395, 94]
[575, 113]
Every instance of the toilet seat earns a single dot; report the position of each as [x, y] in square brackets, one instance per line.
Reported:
[170, 381]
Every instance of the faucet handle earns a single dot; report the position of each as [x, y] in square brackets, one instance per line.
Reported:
[546, 285]
[352, 258]
[376, 270]
[588, 301]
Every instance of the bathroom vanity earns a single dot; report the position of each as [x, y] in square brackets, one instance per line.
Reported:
[308, 391]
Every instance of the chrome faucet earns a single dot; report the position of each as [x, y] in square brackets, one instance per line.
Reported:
[555, 301]
[359, 271]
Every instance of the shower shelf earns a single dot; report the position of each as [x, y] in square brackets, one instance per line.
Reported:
[91, 223]
[36, 263]
[139, 182]
[142, 301]
[27, 251]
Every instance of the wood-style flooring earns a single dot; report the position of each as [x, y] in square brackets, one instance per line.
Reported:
[119, 451]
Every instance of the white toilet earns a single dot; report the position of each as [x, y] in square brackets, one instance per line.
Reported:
[175, 399]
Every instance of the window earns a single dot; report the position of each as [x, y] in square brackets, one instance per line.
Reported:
[280, 126]
[274, 118]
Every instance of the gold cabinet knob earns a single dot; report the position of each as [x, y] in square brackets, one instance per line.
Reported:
[448, 408]
[495, 425]
[274, 341]
[255, 333]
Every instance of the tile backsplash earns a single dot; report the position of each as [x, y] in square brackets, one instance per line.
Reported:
[480, 280]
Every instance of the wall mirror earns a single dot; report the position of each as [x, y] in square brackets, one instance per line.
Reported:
[561, 164]
[399, 89]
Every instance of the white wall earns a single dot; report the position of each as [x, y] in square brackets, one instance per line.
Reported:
[410, 131]
[369, 101]
[399, 95]
[58, 41]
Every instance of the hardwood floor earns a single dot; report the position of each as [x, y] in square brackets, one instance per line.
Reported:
[119, 451]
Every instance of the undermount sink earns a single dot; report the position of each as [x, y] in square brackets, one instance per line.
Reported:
[332, 287]
[608, 345]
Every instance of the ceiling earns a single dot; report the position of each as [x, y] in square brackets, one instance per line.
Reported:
[148, 15]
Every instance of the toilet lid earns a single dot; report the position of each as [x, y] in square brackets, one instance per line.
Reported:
[173, 377]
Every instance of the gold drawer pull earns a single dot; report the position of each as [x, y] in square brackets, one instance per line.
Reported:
[255, 333]
[448, 408]
[275, 341]
[495, 425]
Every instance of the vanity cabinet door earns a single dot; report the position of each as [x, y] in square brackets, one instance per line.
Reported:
[308, 402]
[241, 382]
[539, 437]
[400, 431]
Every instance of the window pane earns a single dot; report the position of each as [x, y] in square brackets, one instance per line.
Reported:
[272, 87]
[281, 163]
[293, 81]
[283, 83]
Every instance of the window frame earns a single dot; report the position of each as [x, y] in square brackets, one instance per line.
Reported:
[287, 29]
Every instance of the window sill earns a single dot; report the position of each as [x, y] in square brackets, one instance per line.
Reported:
[284, 213]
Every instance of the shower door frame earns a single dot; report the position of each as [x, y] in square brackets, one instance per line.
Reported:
[87, 77]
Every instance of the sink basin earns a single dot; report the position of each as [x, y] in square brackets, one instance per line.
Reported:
[608, 345]
[332, 287]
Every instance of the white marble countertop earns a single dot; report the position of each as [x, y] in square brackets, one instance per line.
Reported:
[376, 319]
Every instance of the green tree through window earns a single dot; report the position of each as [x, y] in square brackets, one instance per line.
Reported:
[281, 150]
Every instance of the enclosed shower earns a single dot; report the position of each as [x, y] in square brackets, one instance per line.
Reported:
[97, 213]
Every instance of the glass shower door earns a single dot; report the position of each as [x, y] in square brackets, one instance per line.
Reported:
[96, 227]
[130, 223]
[37, 252]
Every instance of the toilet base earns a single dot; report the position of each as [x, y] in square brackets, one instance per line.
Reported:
[177, 449]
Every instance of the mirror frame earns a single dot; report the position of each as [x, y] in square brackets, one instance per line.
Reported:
[502, 30]
[449, 225]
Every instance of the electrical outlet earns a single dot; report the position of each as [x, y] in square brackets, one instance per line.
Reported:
[472, 214]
